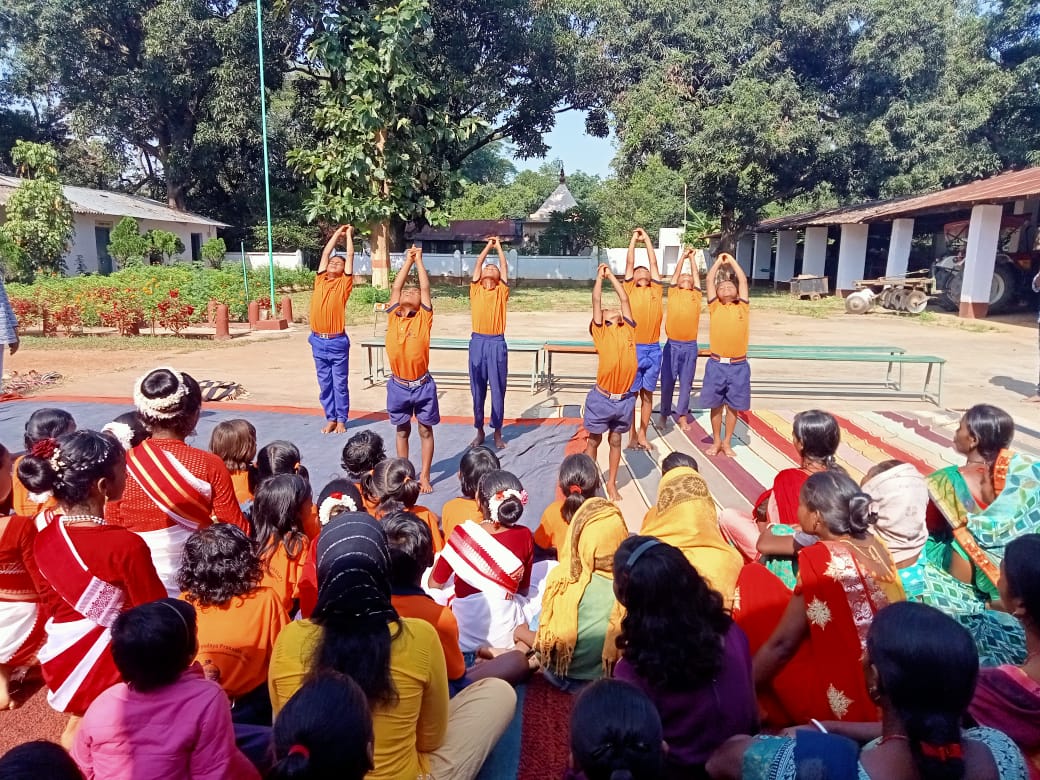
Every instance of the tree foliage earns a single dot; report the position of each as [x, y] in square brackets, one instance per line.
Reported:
[126, 245]
[572, 232]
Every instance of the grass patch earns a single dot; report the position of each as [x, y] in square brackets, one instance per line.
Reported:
[166, 344]
[773, 300]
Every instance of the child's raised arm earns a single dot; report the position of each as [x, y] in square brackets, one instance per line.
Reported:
[694, 270]
[478, 268]
[402, 277]
[425, 297]
[597, 295]
[679, 266]
[626, 307]
[630, 258]
[503, 263]
[330, 247]
[655, 272]
[713, 272]
[742, 282]
[348, 261]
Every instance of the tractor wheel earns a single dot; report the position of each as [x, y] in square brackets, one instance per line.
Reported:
[1002, 291]
[886, 298]
[899, 296]
[859, 302]
[916, 302]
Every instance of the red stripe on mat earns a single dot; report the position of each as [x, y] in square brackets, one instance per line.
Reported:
[881, 444]
[772, 437]
[737, 475]
[924, 431]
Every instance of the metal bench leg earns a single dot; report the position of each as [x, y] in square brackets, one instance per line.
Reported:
[925, 395]
[888, 376]
[549, 372]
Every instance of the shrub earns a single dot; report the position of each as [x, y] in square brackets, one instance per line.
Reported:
[174, 314]
[213, 252]
[126, 245]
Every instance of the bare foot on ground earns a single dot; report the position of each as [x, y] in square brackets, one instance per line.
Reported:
[612, 494]
[685, 425]
[728, 451]
[500, 443]
[330, 426]
[1033, 399]
[479, 438]
[638, 443]
[340, 428]
[713, 450]
[663, 421]
[424, 485]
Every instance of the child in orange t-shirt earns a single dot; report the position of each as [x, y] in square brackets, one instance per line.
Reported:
[646, 297]
[42, 425]
[330, 345]
[727, 376]
[234, 442]
[411, 391]
[475, 463]
[360, 455]
[579, 480]
[281, 508]
[679, 363]
[392, 485]
[610, 404]
[488, 354]
[238, 618]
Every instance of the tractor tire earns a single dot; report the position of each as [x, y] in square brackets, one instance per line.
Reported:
[1002, 292]
[916, 302]
[859, 302]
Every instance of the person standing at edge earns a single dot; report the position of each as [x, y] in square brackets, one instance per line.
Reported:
[488, 355]
[645, 294]
[329, 342]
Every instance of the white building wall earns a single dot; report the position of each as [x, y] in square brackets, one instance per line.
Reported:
[84, 245]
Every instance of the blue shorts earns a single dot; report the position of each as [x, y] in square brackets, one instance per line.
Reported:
[603, 415]
[649, 356]
[726, 384]
[403, 403]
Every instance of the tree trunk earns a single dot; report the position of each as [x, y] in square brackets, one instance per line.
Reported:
[396, 232]
[381, 254]
[729, 231]
[175, 192]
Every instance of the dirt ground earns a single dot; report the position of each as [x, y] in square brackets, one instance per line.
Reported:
[994, 361]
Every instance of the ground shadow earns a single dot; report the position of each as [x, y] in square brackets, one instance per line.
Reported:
[1025, 389]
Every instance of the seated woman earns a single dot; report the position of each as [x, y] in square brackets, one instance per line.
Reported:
[173, 489]
[281, 508]
[816, 436]
[1007, 698]
[684, 651]
[901, 497]
[165, 720]
[93, 571]
[337, 497]
[843, 581]
[921, 669]
[33, 760]
[685, 517]
[578, 480]
[475, 463]
[581, 619]
[238, 618]
[397, 662]
[615, 733]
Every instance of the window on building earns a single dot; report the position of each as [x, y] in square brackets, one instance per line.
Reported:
[196, 247]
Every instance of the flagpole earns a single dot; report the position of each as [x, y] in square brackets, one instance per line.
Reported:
[267, 161]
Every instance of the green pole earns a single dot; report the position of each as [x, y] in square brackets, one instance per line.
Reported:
[267, 162]
[245, 270]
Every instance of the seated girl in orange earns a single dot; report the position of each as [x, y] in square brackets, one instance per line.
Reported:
[360, 455]
[281, 507]
[238, 618]
[42, 425]
[579, 480]
[234, 442]
[475, 463]
[393, 486]
[283, 457]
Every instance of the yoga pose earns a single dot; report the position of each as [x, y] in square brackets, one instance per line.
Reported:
[488, 356]
[679, 363]
[645, 293]
[329, 342]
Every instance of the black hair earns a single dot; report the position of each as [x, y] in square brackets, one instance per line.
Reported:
[674, 621]
[1022, 573]
[345, 487]
[578, 481]
[83, 457]
[275, 517]
[329, 718]
[138, 430]
[47, 423]
[511, 509]
[392, 482]
[475, 463]
[992, 428]
[411, 548]
[38, 759]
[927, 665]
[278, 457]
[819, 434]
[218, 563]
[836, 496]
[676, 459]
[616, 733]
[152, 644]
[163, 383]
[361, 453]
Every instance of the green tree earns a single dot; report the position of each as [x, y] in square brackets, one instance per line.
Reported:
[213, 252]
[163, 245]
[571, 232]
[39, 218]
[488, 165]
[126, 245]
[649, 195]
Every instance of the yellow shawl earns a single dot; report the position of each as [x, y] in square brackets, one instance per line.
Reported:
[596, 531]
[686, 518]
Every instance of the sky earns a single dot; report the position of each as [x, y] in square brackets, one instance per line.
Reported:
[579, 152]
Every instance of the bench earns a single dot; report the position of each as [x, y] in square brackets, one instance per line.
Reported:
[377, 372]
[892, 356]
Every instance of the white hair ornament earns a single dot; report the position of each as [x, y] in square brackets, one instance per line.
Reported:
[160, 408]
[123, 433]
[334, 501]
[496, 501]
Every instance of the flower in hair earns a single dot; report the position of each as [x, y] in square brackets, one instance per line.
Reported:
[496, 501]
[160, 408]
[333, 502]
[124, 433]
[57, 462]
[44, 448]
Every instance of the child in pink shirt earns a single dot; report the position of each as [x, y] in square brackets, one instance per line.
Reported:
[165, 720]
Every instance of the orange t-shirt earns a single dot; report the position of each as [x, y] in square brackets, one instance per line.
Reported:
[457, 511]
[240, 482]
[282, 574]
[647, 310]
[618, 364]
[238, 637]
[434, 522]
[552, 531]
[684, 314]
[20, 501]
[370, 505]
[729, 328]
[422, 607]
[488, 308]
[328, 302]
[408, 343]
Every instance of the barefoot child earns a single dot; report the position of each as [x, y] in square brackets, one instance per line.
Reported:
[488, 356]
[610, 404]
[727, 377]
[329, 342]
[680, 351]
[411, 391]
[643, 286]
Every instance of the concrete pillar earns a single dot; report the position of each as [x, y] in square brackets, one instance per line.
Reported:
[814, 258]
[253, 313]
[852, 257]
[763, 264]
[220, 321]
[786, 246]
[979, 259]
[286, 308]
[899, 247]
[745, 247]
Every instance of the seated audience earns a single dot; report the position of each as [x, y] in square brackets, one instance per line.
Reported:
[578, 480]
[238, 618]
[37, 760]
[475, 463]
[680, 646]
[283, 457]
[337, 497]
[128, 428]
[281, 508]
[234, 442]
[397, 662]
[43, 426]
[360, 455]
[165, 720]
[392, 486]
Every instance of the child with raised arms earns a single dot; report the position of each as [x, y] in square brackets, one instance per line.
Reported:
[488, 355]
[679, 362]
[645, 295]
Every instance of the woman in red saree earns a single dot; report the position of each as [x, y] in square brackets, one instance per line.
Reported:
[173, 489]
[815, 435]
[810, 667]
[93, 571]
